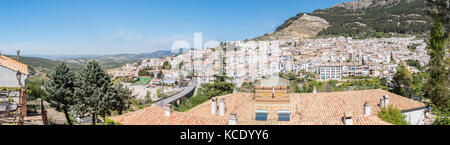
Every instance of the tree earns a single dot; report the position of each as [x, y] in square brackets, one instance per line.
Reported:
[437, 87]
[92, 92]
[441, 12]
[60, 90]
[143, 72]
[120, 98]
[403, 81]
[392, 115]
[152, 75]
[166, 65]
[160, 75]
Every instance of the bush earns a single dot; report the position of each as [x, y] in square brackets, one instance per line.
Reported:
[111, 122]
[392, 115]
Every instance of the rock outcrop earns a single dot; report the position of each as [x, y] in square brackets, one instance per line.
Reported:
[305, 26]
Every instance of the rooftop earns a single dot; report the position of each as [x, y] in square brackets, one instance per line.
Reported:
[306, 109]
[13, 64]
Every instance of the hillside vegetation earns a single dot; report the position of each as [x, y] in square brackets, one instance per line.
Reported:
[358, 19]
[403, 18]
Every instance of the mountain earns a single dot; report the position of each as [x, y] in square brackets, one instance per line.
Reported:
[76, 62]
[42, 64]
[301, 26]
[117, 60]
[360, 19]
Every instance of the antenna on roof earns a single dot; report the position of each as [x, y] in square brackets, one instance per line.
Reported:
[18, 55]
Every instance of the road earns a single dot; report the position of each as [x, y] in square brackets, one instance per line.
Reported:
[184, 92]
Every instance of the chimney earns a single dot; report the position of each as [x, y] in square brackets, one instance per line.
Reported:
[233, 119]
[213, 106]
[386, 100]
[222, 107]
[382, 102]
[314, 89]
[367, 108]
[168, 110]
[348, 118]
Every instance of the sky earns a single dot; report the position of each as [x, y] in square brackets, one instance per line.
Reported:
[99, 27]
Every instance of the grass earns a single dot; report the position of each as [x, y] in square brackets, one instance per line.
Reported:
[142, 81]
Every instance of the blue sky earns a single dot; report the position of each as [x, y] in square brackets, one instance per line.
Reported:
[77, 27]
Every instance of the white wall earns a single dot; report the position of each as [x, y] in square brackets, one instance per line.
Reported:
[8, 78]
[415, 117]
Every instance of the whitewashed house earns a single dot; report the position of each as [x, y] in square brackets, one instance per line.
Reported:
[12, 77]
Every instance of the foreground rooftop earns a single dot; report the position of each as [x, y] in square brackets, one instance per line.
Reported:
[305, 109]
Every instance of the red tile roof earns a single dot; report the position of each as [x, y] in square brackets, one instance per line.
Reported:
[306, 109]
[13, 64]
[155, 116]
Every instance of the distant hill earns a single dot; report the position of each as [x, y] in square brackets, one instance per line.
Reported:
[77, 62]
[42, 64]
[117, 60]
[360, 19]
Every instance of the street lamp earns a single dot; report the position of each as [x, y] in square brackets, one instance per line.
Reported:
[19, 78]
[21, 99]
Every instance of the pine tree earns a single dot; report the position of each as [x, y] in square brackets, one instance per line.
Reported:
[403, 81]
[92, 92]
[120, 98]
[437, 87]
[60, 90]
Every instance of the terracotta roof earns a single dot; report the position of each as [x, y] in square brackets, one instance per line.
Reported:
[13, 64]
[306, 109]
[155, 116]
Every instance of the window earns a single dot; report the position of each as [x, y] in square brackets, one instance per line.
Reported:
[261, 115]
[284, 115]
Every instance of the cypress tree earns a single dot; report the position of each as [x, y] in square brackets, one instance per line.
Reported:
[437, 88]
[60, 90]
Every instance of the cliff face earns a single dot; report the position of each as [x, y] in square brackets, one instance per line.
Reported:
[305, 26]
[362, 4]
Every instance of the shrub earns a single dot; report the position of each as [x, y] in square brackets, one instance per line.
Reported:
[111, 122]
[392, 115]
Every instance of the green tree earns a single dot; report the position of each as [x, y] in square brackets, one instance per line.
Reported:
[60, 90]
[392, 115]
[437, 88]
[403, 81]
[143, 72]
[92, 92]
[119, 98]
[160, 75]
[166, 65]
